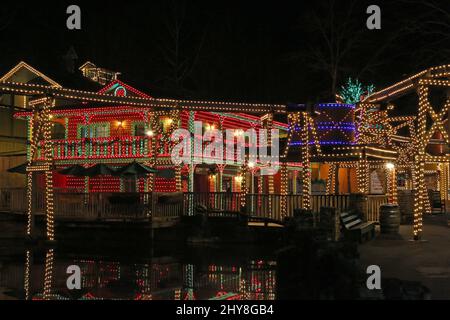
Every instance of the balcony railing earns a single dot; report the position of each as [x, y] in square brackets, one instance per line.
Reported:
[102, 148]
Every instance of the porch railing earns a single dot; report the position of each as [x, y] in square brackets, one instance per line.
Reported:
[262, 205]
[373, 206]
[92, 206]
[98, 148]
[13, 199]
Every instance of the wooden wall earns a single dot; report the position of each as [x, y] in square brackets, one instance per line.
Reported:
[11, 180]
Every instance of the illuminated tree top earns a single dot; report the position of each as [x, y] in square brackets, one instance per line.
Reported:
[354, 91]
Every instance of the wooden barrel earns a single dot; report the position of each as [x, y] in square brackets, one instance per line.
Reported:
[389, 218]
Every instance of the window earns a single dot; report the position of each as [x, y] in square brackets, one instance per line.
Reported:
[58, 131]
[97, 130]
[139, 129]
[101, 130]
[82, 132]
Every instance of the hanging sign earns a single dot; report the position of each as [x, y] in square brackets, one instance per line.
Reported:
[376, 185]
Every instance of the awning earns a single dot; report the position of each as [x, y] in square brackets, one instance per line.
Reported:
[22, 169]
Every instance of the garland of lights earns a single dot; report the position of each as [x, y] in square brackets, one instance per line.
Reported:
[86, 96]
[410, 83]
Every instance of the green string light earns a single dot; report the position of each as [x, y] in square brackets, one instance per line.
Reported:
[354, 91]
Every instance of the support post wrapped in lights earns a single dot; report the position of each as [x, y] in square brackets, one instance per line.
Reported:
[419, 186]
[244, 190]
[284, 190]
[267, 123]
[331, 179]
[391, 181]
[49, 201]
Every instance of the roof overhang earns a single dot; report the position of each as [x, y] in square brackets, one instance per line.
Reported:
[347, 153]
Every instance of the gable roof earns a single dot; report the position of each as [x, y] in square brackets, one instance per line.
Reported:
[23, 65]
[112, 86]
[47, 73]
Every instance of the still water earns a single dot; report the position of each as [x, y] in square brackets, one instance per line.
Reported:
[162, 272]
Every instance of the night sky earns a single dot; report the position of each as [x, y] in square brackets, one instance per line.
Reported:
[253, 51]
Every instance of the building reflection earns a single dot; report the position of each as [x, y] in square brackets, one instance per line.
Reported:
[44, 278]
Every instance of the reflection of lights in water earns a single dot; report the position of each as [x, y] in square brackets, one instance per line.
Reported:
[255, 280]
[27, 275]
[189, 272]
[48, 274]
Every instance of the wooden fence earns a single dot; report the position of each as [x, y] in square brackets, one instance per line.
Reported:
[262, 205]
[269, 205]
[92, 206]
[96, 206]
[13, 199]
[373, 207]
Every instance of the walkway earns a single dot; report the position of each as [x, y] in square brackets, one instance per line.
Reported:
[427, 261]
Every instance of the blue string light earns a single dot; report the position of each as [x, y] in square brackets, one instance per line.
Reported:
[336, 105]
[334, 123]
[337, 127]
[297, 143]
